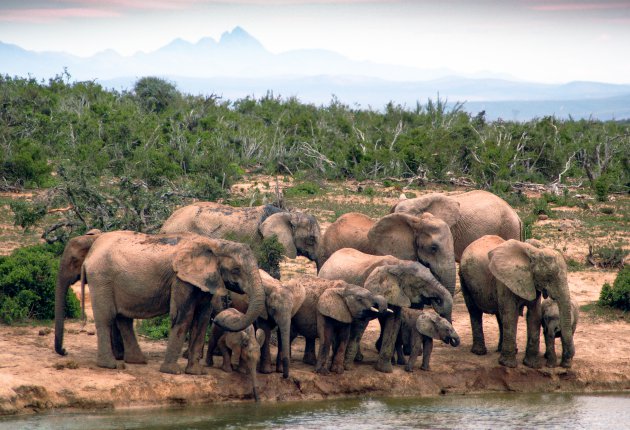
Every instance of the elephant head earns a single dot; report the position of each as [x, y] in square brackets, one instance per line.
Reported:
[526, 269]
[426, 239]
[299, 233]
[410, 284]
[350, 302]
[432, 325]
[438, 205]
[202, 261]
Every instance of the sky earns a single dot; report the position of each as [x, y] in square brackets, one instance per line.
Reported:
[551, 41]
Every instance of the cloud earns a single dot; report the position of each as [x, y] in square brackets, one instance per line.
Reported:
[42, 15]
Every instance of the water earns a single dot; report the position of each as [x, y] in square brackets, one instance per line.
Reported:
[517, 411]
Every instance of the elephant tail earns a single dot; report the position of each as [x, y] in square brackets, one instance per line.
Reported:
[83, 282]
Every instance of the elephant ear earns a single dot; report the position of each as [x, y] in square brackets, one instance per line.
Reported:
[510, 264]
[394, 234]
[196, 263]
[332, 304]
[426, 324]
[382, 282]
[281, 226]
[260, 336]
[298, 292]
[438, 205]
[535, 242]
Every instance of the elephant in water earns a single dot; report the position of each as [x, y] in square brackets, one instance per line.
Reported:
[70, 272]
[298, 232]
[500, 277]
[245, 345]
[551, 327]
[470, 215]
[134, 275]
[423, 238]
[403, 283]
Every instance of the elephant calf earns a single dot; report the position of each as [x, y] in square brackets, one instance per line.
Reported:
[416, 335]
[245, 345]
[551, 327]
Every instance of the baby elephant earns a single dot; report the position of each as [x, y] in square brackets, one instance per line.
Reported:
[551, 327]
[418, 329]
[245, 345]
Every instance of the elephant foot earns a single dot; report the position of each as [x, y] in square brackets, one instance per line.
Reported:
[551, 363]
[348, 366]
[532, 362]
[322, 371]
[136, 359]
[359, 357]
[195, 369]
[566, 363]
[507, 361]
[309, 358]
[107, 363]
[401, 361]
[266, 369]
[171, 368]
[479, 349]
[209, 360]
[337, 368]
[409, 368]
[227, 367]
[425, 368]
[384, 366]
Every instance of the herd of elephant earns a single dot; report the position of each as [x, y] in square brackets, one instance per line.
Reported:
[388, 268]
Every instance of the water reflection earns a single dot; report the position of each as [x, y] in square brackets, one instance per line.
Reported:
[518, 411]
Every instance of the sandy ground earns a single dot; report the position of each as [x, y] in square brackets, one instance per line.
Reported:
[33, 378]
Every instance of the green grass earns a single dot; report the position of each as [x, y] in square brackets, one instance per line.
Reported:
[600, 313]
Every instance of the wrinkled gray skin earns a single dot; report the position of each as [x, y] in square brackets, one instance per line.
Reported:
[298, 232]
[245, 345]
[134, 275]
[470, 216]
[70, 272]
[417, 331]
[305, 321]
[551, 327]
[402, 283]
[501, 277]
[338, 309]
[423, 238]
[281, 304]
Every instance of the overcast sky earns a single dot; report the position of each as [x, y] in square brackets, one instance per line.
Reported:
[539, 40]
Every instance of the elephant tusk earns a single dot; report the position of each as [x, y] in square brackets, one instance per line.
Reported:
[373, 309]
[389, 310]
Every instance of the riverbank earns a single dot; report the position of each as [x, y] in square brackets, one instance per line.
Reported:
[33, 378]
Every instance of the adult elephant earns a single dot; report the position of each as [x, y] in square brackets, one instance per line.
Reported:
[470, 215]
[281, 304]
[500, 277]
[403, 283]
[423, 238]
[305, 320]
[298, 232]
[133, 275]
[70, 272]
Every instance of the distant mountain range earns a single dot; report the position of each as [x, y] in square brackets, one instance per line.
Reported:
[238, 65]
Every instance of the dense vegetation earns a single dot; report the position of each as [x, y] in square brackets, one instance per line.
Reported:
[124, 159]
[617, 295]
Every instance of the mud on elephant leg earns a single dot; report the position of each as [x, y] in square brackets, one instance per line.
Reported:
[343, 335]
[132, 352]
[200, 322]
[264, 366]
[118, 348]
[215, 334]
[390, 332]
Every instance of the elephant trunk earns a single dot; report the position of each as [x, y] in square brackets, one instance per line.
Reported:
[256, 294]
[566, 327]
[64, 280]
[443, 303]
[446, 273]
[252, 372]
[285, 345]
[454, 340]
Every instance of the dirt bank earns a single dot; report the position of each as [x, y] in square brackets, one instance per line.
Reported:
[33, 378]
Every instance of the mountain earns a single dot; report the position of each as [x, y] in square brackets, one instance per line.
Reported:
[238, 65]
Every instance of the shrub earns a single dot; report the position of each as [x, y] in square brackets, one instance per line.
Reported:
[27, 214]
[602, 187]
[269, 254]
[302, 189]
[541, 207]
[27, 284]
[617, 296]
[155, 328]
[606, 256]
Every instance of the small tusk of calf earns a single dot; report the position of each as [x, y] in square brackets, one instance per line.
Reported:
[373, 309]
[390, 311]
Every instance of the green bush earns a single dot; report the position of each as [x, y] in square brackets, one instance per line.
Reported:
[602, 187]
[269, 254]
[155, 328]
[617, 296]
[27, 284]
[303, 189]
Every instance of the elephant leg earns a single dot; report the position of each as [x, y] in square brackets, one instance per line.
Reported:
[118, 348]
[215, 334]
[533, 318]
[476, 324]
[265, 351]
[390, 332]
[309, 351]
[182, 312]
[200, 322]
[227, 356]
[132, 352]
[104, 320]
[357, 329]
[343, 336]
[416, 349]
[427, 348]
[283, 358]
[500, 324]
[400, 354]
[550, 349]
[509, 320]
[325, 332]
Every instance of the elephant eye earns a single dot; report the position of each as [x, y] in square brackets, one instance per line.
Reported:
[310, 240]
[434, 248]
[235, 271]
